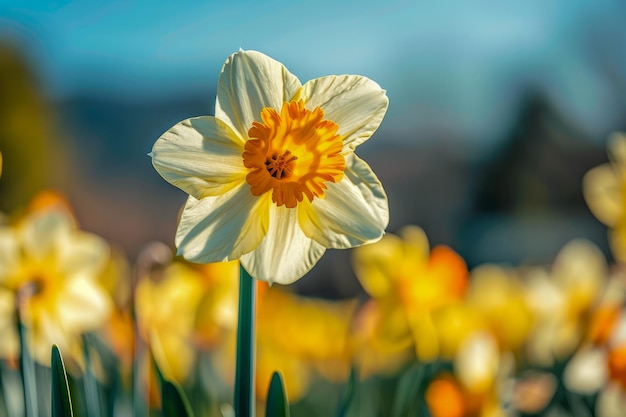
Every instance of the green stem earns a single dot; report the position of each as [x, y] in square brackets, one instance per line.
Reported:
[244, 371]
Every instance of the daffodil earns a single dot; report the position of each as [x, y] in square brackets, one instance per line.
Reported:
[301, 355]
[412, 285]
[604, 189]
[562, 299]
[273, 179]
[50, 270]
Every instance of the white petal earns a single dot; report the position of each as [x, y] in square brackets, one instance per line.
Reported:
[285, 254]
[222, 228]
[81, 253]
[356, 103]
[41, 232]
[85, 306]
[354, 211]
[586, 371]
[201, 156]
[249, 82]
[9, 252]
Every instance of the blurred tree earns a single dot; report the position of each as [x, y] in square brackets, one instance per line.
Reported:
[26, 133]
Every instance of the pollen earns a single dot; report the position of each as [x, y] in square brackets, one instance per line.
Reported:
[293, 153]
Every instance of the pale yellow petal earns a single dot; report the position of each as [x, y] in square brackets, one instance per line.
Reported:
[376, 265]
[9, 252]
[41, 231]
[356, 103]
[354, 211]
[249, 82]
[580, 270]
[617, 149]
[286, 253]
[201, 156]
[604, 193]
[222, 228]
[83, 306]
[81, 254]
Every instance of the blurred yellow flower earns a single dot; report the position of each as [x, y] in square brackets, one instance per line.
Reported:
[604, 189]
[166, 313]
[446, 397]
[321, 348]
[410, 283]
[498, 295]
[273, 179]
[562, 299]
[49, 271]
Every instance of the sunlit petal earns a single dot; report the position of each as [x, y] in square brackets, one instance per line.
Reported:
[9, 252]
[201, 156]
[354, 212]
[41, 230]
[222, 228]
[249, 82]
[356, 103]
[603, 191]
[286, 253]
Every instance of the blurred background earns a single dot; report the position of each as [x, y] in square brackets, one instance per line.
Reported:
[496, 110]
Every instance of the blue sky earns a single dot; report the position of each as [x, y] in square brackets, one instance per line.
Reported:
[447, 67]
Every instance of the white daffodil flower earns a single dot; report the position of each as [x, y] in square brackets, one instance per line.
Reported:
[273, 179]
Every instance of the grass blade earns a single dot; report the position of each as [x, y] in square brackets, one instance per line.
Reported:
[349, 395]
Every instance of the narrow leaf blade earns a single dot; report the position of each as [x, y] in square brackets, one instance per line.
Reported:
[175, 403]
[61, 399]
[277, 404]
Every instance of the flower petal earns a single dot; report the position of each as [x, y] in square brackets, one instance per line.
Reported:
[249, 82]
[81, 254]
[285, 254]
[201, 156]
[222, 228]
[9, 252]
[84, 306]
[354, 211]
[41, 231]
[356, 103]
[602, 189]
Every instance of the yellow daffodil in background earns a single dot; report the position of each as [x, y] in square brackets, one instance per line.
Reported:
[51, 270]
[497, 293]
[217, 308]
[166, 313]
[273, 179]
[562, 300]
[604, 189]
[321, 349]
[410, 284]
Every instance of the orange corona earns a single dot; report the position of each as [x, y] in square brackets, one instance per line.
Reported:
[293, 153]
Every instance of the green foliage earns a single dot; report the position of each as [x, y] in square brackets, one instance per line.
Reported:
[175, 403]
[350, 394]
[277, 404]
[61, 399]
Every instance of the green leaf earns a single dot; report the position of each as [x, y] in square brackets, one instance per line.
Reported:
[349, 395]
[408, 391]
[277, 405]
[175, 403]
[61, 400]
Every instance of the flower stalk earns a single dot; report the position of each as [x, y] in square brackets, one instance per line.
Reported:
[244, 370]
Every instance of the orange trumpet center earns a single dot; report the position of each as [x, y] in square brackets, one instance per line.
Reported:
[293, 154]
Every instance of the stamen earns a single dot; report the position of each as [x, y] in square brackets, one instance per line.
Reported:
[293, 153]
